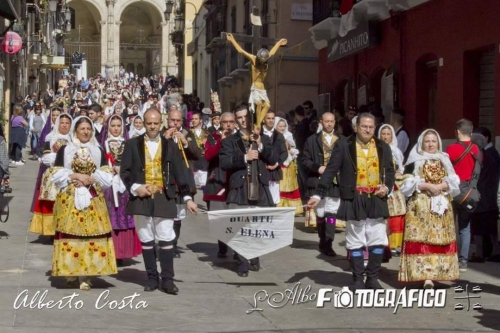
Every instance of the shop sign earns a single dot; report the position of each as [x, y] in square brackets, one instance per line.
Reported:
[302, 11]
[364, 36]
[12, 43]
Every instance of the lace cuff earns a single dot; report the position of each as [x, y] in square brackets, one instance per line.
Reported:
[61, 178]
[49, 159]
[453, 185]
[410, 185]
[105, 179]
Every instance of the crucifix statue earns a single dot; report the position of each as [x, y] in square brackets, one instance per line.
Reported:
[259, 102]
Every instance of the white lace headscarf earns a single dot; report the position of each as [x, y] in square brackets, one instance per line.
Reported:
[54, 135]
[134, 131]
[288, 136]
[396, 153]
[75, 144]
[419, 156]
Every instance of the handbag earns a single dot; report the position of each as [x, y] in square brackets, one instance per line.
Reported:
[48, 191]
[396, 203]
[469, 195]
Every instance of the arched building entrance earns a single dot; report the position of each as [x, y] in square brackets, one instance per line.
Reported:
[128, 33]
[140, 38]
[85, 35]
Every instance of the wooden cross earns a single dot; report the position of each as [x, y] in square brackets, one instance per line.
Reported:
[256, 38]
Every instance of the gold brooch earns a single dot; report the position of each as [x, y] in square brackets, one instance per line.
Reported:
[244, 137]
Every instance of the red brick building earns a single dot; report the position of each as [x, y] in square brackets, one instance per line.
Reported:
[437, 59]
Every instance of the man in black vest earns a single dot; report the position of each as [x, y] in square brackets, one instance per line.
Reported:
[151, 182]
[366, 174]
[176, 132]
[234, 156]
[315, 157]
[280, 152]
[95, 114]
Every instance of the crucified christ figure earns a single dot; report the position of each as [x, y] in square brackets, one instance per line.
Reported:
[259, 66]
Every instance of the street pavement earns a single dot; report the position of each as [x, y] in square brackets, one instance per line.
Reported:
[212, 297]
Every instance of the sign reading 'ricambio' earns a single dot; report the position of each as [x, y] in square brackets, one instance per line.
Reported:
[364, 36]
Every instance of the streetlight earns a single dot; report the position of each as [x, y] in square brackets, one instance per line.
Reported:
[53, 5]
[169, 6]
[179, 22]
[67, 16]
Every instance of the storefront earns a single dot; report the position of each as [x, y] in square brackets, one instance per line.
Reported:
[439, 60]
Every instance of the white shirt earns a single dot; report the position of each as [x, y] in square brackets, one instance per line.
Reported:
[328, 137]
[269, 133]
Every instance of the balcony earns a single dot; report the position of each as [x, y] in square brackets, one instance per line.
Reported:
[323, 9]
[215, 25]
[326, 18]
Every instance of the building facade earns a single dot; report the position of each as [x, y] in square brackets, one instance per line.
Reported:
[292, 73]
[437, 59]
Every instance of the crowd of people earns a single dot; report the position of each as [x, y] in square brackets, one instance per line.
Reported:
[110, 185]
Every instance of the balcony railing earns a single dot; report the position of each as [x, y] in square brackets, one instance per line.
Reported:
[323, 9]
[215, 23]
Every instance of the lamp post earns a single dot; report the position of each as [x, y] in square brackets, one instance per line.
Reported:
[67, 16]
[169, 6]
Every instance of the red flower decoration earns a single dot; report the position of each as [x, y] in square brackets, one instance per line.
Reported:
[361, 176]
[103, 254]
[76, 255]
[95, 250]
[374, 164]
[91, 243]
[68, 250]
[110, 158]
[65, 243]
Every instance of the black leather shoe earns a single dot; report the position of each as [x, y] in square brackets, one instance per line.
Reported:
[329, 252]
[243, 274]
[169, 287]
[254, 268]
[151, 286]
[221, 255]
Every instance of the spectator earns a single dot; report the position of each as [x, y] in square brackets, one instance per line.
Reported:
[302, 132]
[463, 168]
[48, 98]
[484, 218]
[351, 113]
[36, 124]
[397, 121]
[18, 135]
[4, 159]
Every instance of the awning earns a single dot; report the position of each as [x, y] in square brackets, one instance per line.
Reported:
[7, 10]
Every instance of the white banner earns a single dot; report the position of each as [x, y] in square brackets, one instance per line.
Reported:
[253, 232]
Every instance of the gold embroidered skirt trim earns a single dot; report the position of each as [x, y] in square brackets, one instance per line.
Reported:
[84, 257]
[42, 224]
[421, 267]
